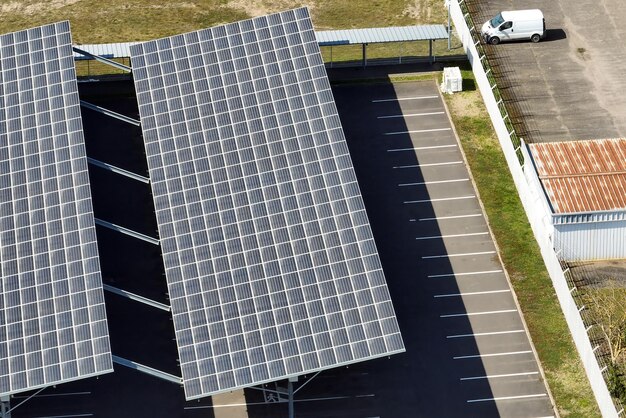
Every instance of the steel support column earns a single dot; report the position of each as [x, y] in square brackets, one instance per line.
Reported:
[364, 55]
[430, 51]
[290, 392]
[5, 407]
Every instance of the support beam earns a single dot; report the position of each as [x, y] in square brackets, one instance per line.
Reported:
[118, 170]
[430, 51]
[147, 370]
[292, 413]
[364, 55]
[111, 113]
[5, 407]
[127, 231]
[103, 60]
[136, 297]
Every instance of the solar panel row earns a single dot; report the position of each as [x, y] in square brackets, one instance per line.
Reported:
[52, 315]
[270, 261]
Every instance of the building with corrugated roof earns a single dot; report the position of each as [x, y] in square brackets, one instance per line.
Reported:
[581, 186]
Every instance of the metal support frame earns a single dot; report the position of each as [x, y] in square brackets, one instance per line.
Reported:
[108, 112]
[103, 60]
[5, 407]
[136, 297]
[430, 51]
[331, 56]
[5, 403]
[148, 370]
[127, 231]
[118, 170]
[290, 393]
[364, 46]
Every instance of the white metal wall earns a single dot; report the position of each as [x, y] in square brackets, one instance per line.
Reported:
[537, 195]
[542, 235]
[591, 241]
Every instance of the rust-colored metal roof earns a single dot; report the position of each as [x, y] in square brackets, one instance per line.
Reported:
[583, 176]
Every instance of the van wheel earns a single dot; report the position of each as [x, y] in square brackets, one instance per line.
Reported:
[494, 40]
[535, 38]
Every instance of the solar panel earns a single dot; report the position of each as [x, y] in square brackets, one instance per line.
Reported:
[269, 257]
[53, 325]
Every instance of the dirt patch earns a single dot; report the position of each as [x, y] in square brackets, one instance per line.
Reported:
[418, 10]
[176, 5]
[599, 274]
[465, 105]
[255, 8]
[35, 7]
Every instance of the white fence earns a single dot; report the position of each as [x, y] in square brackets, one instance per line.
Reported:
[509, 142]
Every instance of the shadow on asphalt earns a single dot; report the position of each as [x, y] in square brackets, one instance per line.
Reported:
[420, 382]
[423, 382]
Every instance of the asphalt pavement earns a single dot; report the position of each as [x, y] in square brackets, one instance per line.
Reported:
[468, 353]
[570, 85]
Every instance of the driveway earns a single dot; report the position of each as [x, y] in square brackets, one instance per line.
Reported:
[571, 85]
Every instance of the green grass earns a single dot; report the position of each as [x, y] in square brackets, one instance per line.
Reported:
[135, 20]
[521, 256]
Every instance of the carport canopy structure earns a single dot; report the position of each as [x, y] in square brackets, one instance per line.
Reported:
[367, 36]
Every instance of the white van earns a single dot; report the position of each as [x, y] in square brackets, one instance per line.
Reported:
[514, 25]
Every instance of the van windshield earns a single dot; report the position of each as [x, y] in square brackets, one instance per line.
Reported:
[496, 21]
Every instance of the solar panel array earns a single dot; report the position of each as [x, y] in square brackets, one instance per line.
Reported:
[271, 265]
[53, 324]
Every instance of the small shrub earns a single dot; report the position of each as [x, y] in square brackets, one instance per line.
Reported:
[615, 382]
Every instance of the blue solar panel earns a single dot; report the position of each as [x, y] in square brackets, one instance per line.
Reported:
[269, 256]
[53, 325]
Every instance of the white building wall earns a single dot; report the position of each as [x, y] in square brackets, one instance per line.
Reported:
[591, 240]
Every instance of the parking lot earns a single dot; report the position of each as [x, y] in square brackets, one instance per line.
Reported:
[467, 350]
[568, 86]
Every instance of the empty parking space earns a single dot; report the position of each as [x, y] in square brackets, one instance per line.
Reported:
[464, 333]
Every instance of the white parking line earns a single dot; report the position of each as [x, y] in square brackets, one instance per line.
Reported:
[410, 114]
[397, 99]
[425, 183]
[482, 334]
[494, 376]
[443, 199]
[487, 292]
[438, 218]
[426, 257]
[477, 313]
[421, 148]
[428, 165]
[505, 398]
[419, 131]
[511, 353]
[454, 235]
[469, 273]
